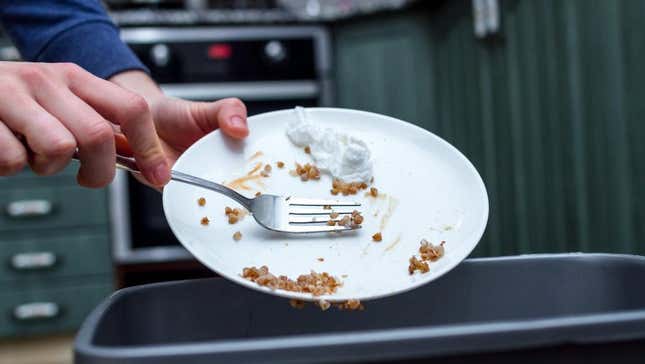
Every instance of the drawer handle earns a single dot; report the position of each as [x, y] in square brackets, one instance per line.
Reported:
[33, 261]
[36, 311]
[29, 208]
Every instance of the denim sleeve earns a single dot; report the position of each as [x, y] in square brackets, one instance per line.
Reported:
[77, 31]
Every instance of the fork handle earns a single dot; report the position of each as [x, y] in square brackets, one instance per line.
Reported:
[129, 164]
[200, 182]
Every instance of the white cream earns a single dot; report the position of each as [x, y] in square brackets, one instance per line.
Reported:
[341, 155]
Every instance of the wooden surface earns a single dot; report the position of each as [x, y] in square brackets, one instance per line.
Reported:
[45, 350]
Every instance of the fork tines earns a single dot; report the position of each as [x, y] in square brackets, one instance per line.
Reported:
[307, 211]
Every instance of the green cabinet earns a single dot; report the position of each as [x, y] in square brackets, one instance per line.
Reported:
[55, 263]
[550, 111]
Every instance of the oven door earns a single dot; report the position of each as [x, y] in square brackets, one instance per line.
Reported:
[140, 233]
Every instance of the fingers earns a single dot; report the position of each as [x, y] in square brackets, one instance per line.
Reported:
[133, 115]
[13, 157]
[51, 144]
[93, 134]
[227, 114]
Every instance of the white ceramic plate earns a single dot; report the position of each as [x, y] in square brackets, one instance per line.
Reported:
[430, 189]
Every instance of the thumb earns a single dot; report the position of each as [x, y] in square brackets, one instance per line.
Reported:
[229, 115]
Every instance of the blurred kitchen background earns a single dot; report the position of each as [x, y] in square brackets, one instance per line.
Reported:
[545, 97]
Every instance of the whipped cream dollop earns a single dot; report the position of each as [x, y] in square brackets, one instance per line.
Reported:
[343, 156]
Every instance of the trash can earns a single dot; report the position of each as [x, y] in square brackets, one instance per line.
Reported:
[586, 308]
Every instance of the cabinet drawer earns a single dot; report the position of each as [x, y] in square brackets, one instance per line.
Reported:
[36, 260]
[50, 310]
[27, 178]
[51, 207]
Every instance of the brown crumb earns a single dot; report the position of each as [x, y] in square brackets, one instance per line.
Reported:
[333, 214]
[350, 305]
[201, 201]
[205, 221]
[307, 150]
[280, 164]
[416, 264]
[258, 194]
[317, 284]
[344, 276]
[237, 236]
[373, 191]
[297, 304]
[357, 218]
[321, 259]
[431, 252]
[377, 237]
[234, 214]
[326, 207]
[267, 168]
[307, 172]
[350, 188]
[324, 305]
[331, 222]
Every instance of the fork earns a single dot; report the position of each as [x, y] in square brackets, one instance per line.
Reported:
[273, 212]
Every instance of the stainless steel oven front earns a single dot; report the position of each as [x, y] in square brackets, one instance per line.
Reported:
[268, 67]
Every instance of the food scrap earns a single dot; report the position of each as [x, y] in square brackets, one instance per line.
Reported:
[431, 252]
[234, 214]
[317, 284]
[306, 172]
[377, 237]
[308, 149]
[280, 164]
[416, 264]
[354, 220]
[321, 259]
[266, 172]
[345, 188]
[237, 236]
[428, 252]
[201, 201]
[373, 191]
[205, 221]
[258, 194]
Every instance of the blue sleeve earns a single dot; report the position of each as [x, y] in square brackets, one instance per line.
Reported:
[77, 31]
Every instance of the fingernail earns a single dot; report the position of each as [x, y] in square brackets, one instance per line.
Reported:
[238, 122]
[161, 174]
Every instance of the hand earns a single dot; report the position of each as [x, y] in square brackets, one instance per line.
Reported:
[180, 123]
[47, 110]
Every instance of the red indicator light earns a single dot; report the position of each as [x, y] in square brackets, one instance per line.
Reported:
[220, 51]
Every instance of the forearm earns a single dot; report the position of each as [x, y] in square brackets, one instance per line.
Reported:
[76, 31]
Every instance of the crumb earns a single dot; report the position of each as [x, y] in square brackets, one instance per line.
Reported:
[377, 237]
[350, 305]
[372, 180]
[416, 264]
[205, 221]
[373, 191]
[326, 207]
[307, 150]
[431, 252]
[344, 276]
[237, 236]
[317, 284]
[321, 259]
[258, 194]
[350, 188]
[306, 172]
[297, 304]
[331, 222]
[280, 164]
[357, 218]
[234, 214]
[333, 214]
[324, 305]
[267, 168]
[201, 201]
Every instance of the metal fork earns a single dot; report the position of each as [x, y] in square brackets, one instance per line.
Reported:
[277, 213]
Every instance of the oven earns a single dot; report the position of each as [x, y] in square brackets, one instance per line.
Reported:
[268, 67]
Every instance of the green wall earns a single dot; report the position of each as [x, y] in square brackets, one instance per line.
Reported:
[550, 112]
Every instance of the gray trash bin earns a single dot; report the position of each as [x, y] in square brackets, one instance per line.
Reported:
[573, 308]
